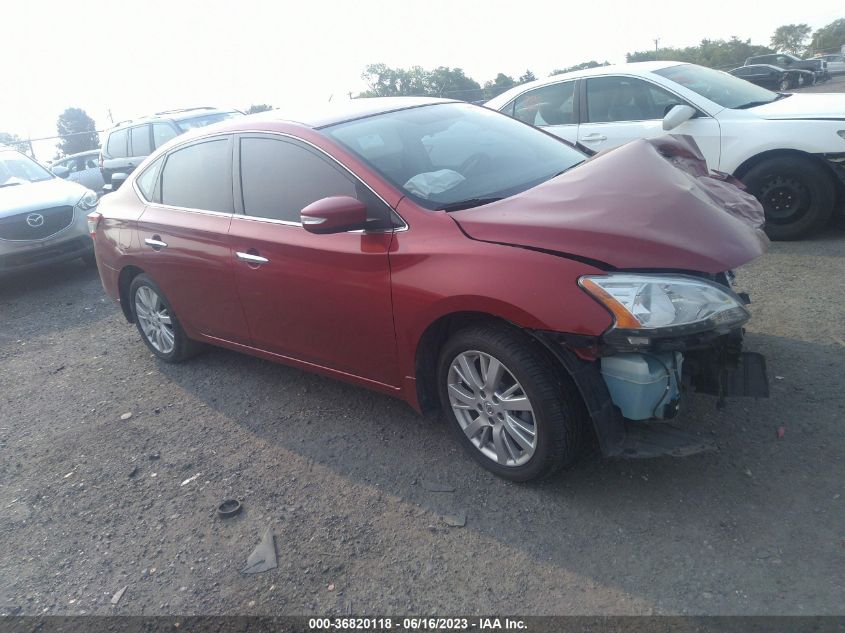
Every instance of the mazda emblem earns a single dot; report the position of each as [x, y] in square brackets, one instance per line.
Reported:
[35, 220]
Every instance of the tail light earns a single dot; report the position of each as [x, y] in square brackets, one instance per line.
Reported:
[93, 220]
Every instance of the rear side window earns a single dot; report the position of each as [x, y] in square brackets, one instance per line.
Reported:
[199, 177]
[116, 147]
[147, 181]
[162, 132]
[549, 105]
[280, 178]
[140, 140]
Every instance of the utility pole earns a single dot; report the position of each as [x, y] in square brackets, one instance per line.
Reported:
[111, 118]
[656, 42]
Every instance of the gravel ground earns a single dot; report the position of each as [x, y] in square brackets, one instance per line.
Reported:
[91, 502]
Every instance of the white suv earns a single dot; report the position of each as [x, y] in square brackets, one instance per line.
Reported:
[788, 149]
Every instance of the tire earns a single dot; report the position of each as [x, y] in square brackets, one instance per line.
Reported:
[141, 291]
[797, 195]
[89, 259]
[785, 85]
[558, 416]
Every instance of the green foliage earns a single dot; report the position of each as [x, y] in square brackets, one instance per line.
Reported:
[14, 141]
[722, 54]
[258, 107]
[582, 66]
[77, 132]
[528, 76]
[830, 38]
[790, 38]
[443, 81]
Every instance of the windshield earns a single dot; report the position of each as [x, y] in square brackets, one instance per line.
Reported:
[17, 169]
[455, 155]
[726, 90]
[203, 120]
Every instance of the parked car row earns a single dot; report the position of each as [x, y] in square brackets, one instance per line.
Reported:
[788, 149]
[453, 257]
[774, 77]
[817, 66]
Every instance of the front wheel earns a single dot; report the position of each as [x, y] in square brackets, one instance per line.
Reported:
[511, 408]
[157, 323]
[797, 195]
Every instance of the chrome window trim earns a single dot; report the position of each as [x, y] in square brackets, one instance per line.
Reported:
[255, 218]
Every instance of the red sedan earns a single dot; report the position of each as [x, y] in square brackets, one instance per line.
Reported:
[450, 256]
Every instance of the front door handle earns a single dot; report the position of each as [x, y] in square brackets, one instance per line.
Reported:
[155, 242]
[594, 138]
[249, 258]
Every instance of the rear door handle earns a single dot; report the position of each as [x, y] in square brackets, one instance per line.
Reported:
[593, 138]
[155, 242]
[249, 258]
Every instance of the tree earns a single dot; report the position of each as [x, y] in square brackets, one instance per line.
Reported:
[829, 38]
[528, 76]
[498, 85]
[258, 107]
[722, 54]
[14, 141]
[790, 38]
[77, 132]
[583, 66]
[443, 81]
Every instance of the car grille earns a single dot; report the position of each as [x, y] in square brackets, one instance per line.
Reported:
[35, 225]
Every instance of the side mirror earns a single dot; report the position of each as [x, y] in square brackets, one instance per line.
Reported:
[60, 171]
[677, 115]
[334, 215]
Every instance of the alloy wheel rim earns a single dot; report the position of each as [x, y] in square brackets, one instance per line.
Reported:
[155, 320]
[492, 408]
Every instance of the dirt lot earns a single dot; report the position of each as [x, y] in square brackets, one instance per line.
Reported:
[90, 502]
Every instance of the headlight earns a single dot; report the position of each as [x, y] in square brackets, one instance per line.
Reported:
[665, 305]
[841, 133]
[88, 201]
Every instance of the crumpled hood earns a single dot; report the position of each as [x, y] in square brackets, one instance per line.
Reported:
[33, 196]
[648, 204]
[804, 106]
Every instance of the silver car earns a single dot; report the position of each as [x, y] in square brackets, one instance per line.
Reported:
[83, 168]
[42, 217]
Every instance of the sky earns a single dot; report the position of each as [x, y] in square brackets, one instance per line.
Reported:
[136, 58]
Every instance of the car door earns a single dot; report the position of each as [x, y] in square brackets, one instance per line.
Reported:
[183, 235]
[617, 109]
[322, 299]
[553, 108]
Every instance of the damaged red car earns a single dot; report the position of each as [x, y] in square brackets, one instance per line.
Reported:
[453, 257]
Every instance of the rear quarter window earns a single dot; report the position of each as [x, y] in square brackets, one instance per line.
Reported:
[117, 145]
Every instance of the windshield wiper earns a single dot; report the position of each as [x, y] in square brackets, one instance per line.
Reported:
[467, 204]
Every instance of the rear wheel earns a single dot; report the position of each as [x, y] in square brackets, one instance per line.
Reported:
[157, 323]
[512, 410]
[785, 85]
[797, 195]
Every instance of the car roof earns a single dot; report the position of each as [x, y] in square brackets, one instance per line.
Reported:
[635, 68]
[179, 114]
[331, 113]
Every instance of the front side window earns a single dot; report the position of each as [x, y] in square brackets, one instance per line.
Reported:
[611, 99]
[140, 140]
[199, 176]
[162, 132]
[455, 155]
[279, 178]
[117, 144]
[721, 88]
[549, 105]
